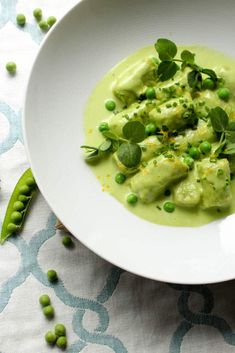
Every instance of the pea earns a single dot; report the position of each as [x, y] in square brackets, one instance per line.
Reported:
[23, 198]
[132, 199]
[103, 127]
[67, 241]
[37, 14]
[194, 152]
[24, 190]
[21, 19]
[16, 217]
[61, 342]
[30, 182]
[43, 25]
[169, 207]
[60, 330]
[52, 275]
[18, 206]
[49, 311]
[11, 67]
[208, 83]
[110, 105]
[150, 93]
[51, 21]
[205, 147]
[189, 161]
[50, 337]
[120, 178]
[150, 129]
[11, 227]
[224, 94]
[44, 300]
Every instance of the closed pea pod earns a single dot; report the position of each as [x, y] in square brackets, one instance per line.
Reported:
[18, 205]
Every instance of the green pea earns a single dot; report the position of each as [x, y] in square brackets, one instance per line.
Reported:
[51, 21]
[60, 330]
[189, 161]
[43, 25]
[205, 147]
[24, 190]
[224, 94]
[23, 198]
[103, 127]
[50, 337]
[120, 178]
[194, 152]
[21, 19]
[48, 311]
[61, 342]
[132, 199]
[150, 129]
[18, 206]
[37, 14]
[110, 105]
[30, 182]
[150, 93]
[208, 83]
[16, 217]
[52, 275]
[11, 67]
[169, 207]
[44, 300]
[11, 227]
[67, 241]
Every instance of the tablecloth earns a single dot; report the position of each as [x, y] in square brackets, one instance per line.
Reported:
[104, 308]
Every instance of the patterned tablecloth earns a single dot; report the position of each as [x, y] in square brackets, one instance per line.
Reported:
[104, 309]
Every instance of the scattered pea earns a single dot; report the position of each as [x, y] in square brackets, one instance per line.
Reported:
[132, 199]
[43, 25]
[208, 83]
[16, 217]
[61, 342]
[67, 241]
[110, 105]
[49, 311]
[60, 330]
[51, 21]
[30, 182]
[21, 19]
[120, 178]
[205, 147]
[37, 14]
[150, 129]
[18, 206]
[52, 275]
[168, 105]
[44, 300]
[150, 93]
[11, 67]
[224, 93]
[220, 172]
[24, 190]
[189, 161]
[50, 337]
[194, 152]
[169, 207]
[11, 227]
[103, 127]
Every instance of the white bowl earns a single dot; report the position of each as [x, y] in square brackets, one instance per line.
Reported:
[83, 46]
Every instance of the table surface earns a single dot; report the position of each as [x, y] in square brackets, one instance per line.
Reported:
[104, 308]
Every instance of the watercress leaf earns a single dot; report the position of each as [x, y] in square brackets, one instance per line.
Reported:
[230, 149]
[210, 73]
[187, 57]
[134, 131]
[230, 136]
[129, 154]
[231, 126]
[105, 146]
[110, 135]
[219, 119]
[167, 70]
[89, 148]
[219, 149]
[195, 79]
[92, 157]
[166, 49]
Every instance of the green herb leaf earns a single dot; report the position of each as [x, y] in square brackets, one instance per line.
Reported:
[219, 119]
[187, 57]
[195, 79]
[105, 146]
[166, 49]
[230, 149]
[230, 136]
[110, 135]
[167, 70]
[134, 131]
[210, 73]
[219, 149]
[231, 126]
[129, 154]
[89, 148]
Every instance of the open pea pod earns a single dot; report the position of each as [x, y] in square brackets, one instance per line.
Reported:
[18, 205]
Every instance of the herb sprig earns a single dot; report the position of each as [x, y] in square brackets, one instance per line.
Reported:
[168, 66]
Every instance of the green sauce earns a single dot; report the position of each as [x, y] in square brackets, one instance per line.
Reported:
[106, 170]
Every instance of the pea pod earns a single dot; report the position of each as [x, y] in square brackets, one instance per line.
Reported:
[18, 205]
